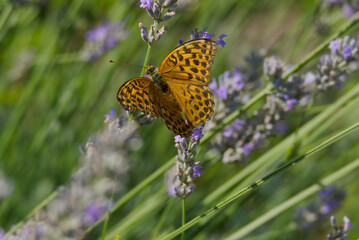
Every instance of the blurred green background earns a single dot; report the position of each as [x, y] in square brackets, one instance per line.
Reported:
[51, 101]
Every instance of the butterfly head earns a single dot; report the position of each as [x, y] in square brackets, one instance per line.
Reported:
[150, 70]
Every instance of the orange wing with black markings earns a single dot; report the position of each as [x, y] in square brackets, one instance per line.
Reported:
[136, 95]
[180, 88]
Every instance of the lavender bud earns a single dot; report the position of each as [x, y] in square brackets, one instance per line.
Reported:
[169, 13]
[168, 3]
[144, 32]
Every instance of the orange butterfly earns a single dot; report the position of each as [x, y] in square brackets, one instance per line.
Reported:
[179, 85]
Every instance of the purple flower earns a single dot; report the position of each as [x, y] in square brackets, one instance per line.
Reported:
[179, 139]
[196, 170]
[238, 124]
[111, 116]
[238, 80]
[146, 4]
[334, 45]
[197, 133]
[329, 207]
[92, 213]
[348, 10]
[171, 191]
[347, 223]
[207, 35]
[222, 92]
[103, 38]
[291, 103]
[247, 148]
[281, 127]
[2, 234]
[213, 85]
[228, 131]
[220, 40]
[347, 51]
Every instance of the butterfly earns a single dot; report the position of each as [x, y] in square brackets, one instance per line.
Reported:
[177, 92]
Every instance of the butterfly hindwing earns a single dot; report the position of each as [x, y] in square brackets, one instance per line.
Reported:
[136, 95]
[171, 115]
[196, 101]
[190, 62]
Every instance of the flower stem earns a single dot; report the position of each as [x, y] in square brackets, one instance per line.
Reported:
[5, 15]
[354, 20]
[256, 184]
[260, 221]
[183, 215]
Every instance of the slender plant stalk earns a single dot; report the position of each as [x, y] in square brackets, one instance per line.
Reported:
[183, 215]
[104, 229]
[5, 15]
[277, 151]
[343, 172]
[350, 24]
[256, 184]
[32, 213]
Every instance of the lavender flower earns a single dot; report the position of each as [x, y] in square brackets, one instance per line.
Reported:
[160, 11]
[146, 4]
[110, 116]
[233, 89]
[348, 10]
[220, 40]
[349, 7]
[196, 34]
[329, 199]
[335, 67]
[103, 38]
[87, 196]
[180, 178]
[340, 232]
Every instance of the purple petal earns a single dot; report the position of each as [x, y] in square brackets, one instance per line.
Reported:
[146, 4]
[335, 45]
[112, 114]
[196, 170]
[197, 133]
[220, 40]
[179, 139]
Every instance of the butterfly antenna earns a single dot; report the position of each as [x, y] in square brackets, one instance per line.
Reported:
[126, 64]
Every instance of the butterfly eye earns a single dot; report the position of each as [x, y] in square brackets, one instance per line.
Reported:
[150, 70]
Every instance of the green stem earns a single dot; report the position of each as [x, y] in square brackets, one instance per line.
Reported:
[105, 226]
[354, 20]
[32, 213]
[256, 184]
[136, 190]
[5, 15]
[245, 230]
[183, 215]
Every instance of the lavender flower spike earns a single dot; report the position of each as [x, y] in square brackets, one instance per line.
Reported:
[180, 177]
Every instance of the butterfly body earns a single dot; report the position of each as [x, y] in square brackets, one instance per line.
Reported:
[177, 89]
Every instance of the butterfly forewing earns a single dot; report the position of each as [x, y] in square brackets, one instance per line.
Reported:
[136, 95]
[190, 62]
